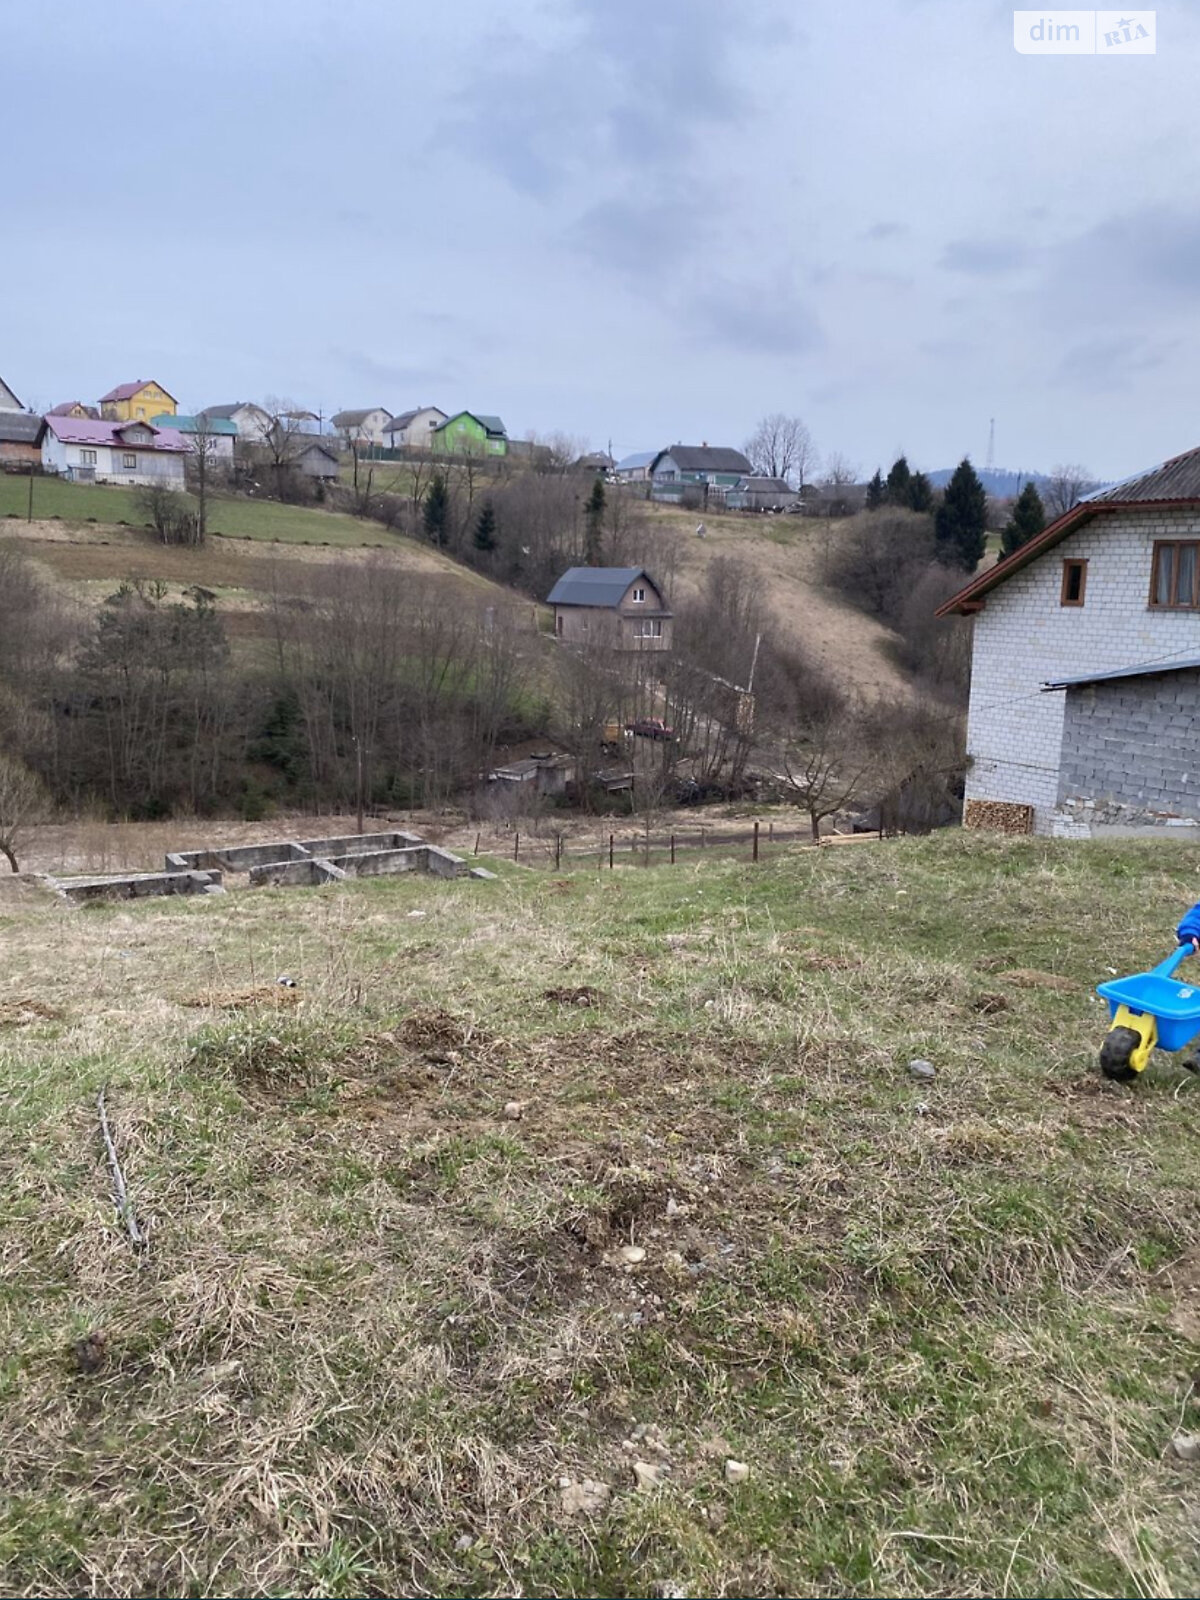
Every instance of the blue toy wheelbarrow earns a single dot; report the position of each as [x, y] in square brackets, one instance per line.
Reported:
[1148, 1009]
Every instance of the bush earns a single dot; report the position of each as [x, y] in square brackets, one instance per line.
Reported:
[170, 514]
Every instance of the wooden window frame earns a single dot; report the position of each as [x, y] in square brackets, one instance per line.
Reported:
[639, 597]
[129, 460]
[1069, 563]
[1170, 548]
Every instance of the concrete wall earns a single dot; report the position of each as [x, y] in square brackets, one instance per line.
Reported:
[1025, 637]
[136, 885]
[1131, 749]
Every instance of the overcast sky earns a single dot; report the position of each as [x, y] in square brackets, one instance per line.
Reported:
[627, 220]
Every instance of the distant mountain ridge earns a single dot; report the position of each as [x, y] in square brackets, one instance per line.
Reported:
[1001, 482]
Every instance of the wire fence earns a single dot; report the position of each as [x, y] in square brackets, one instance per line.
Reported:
[560, 853]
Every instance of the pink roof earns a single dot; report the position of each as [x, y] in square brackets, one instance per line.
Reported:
[66, 408]
[85, 430]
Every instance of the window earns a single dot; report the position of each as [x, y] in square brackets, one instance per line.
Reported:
[129, 460]
[1074, 582]
[1175, 578]
[87, 458]
[652, 628]
[639, 596]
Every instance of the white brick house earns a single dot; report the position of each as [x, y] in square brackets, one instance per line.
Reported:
[1086, 663]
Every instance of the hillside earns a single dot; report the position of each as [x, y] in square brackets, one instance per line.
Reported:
[788, 553]
[256, 544]
[539, 1190]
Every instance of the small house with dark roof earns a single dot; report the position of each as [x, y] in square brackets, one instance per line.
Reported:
[74, 408]
[365, 427]
[699, 463]
[21, 435]
[1085, 666]
[412, 430]
[618, 608]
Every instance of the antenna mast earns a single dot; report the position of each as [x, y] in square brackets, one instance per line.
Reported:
[991, 455]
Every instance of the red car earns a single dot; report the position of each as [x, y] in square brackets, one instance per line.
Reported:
[650, 728]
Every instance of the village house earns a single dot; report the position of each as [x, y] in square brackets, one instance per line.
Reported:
[87, 451]
[635, 468]
[312, 456]
[618, 608]
[692, 471]
[762, 494]
[367, 427]
[1085, 666]
[218, 434]
[412, 430]
[73, 408]
[21, 435]
[471, 433]
[8, 400]
[251, 421]
[137, 402]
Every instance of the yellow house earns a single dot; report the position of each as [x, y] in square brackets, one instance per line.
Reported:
[137, 402]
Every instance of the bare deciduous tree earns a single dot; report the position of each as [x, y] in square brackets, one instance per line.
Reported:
[827, 761]
[1066, 486]
[22, 801]
[782, 447]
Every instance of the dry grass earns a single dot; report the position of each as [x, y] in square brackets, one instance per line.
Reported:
[385, 1314]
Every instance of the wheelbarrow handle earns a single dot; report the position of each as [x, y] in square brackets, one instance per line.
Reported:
[1167, 967]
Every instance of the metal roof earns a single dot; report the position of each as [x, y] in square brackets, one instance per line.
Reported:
[202, 423]
[85, 430]
[639, 459]
[126, 391]
[69, 406]
[705, 458]
[21, 427]
[352, 419]
[228, 412]
[1146, 669]
[597, 586]
[1176, 479]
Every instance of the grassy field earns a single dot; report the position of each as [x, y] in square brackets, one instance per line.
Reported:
[388, 1339]
[234, 515]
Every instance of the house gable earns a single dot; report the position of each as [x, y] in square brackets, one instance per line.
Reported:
[8, 400]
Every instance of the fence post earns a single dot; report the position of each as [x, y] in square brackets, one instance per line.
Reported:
[516, 846]
[771, 830]
[672, 849]
[557, 850]
[755, 856]
[477, 838]
[610, 852]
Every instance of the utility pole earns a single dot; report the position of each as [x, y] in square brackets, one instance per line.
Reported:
[29, 512]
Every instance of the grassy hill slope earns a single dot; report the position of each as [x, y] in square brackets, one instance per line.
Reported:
[385, 1337]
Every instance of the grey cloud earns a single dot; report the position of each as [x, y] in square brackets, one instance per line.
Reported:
[1110, 364]
[885, 230]
[982, 257]
[641, 238]
[766, 318]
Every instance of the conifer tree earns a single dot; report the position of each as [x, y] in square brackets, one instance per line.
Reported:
[485, 529]
[920, 493]
[876, 492]
[960, 526]
[1025, 522]
[899, 482]
[593, 514]
[436, 512]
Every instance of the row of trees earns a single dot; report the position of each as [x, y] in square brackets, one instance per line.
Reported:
[959, 517]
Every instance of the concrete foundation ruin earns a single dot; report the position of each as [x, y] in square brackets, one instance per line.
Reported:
[283, 863]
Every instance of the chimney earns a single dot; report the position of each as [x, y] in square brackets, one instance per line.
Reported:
[704, 444]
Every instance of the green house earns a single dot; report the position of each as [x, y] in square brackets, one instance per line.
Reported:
[471, 433]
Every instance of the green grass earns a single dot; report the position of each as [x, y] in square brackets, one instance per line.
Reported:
[945, 1324]
[233, 516]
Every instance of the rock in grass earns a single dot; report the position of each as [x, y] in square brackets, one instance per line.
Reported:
[923, 1070]
[649, 1474]
[515, 1110]
[736, 1471]
[1186, 1446]
[588, 1496]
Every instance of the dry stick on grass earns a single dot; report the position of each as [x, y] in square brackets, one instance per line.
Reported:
[124, 1208]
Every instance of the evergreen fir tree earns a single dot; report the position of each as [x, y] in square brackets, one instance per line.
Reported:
[593, 517]
[485, 529]
[436, 511]
[899, 482]
[876, 493]
[920, 493]
[960, 526]
[1026, 520]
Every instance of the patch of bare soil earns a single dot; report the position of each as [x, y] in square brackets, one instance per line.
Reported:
[1029, 978]
[584, 995]
[20, 1013]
